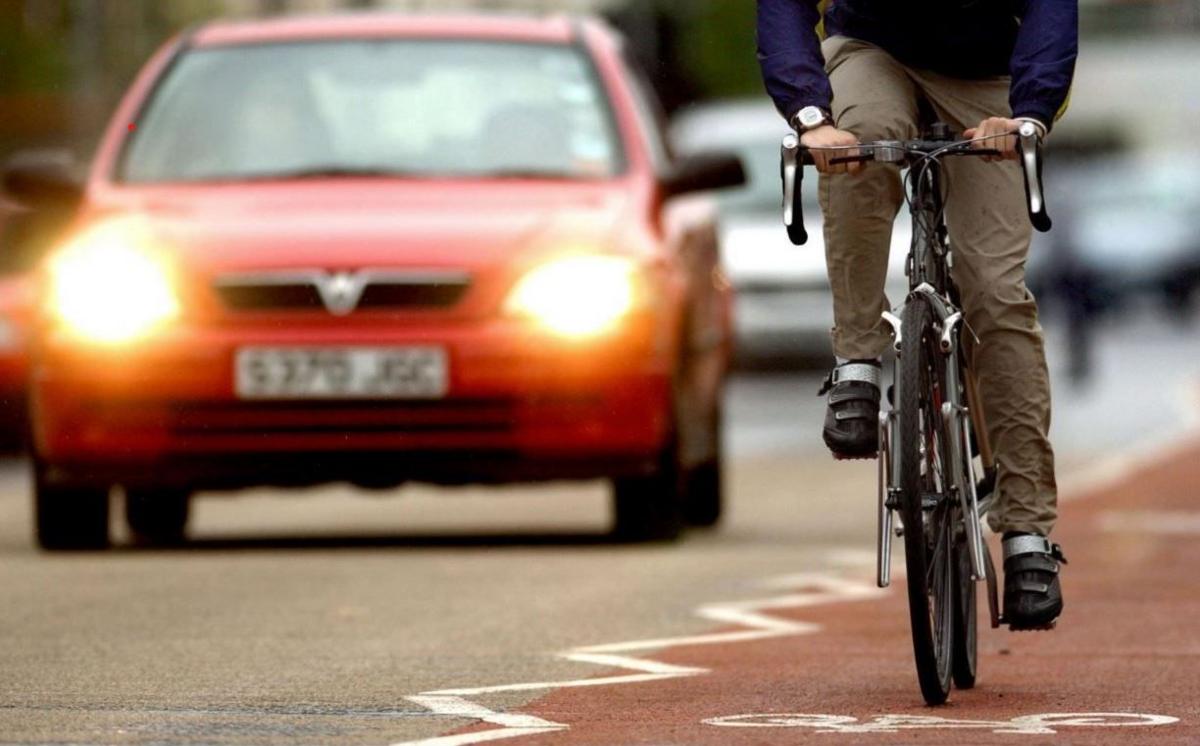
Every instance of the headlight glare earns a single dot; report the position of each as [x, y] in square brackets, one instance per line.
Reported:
[578, 296]
[108, 286]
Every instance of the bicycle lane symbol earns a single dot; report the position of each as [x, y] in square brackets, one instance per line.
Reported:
[1044, 724]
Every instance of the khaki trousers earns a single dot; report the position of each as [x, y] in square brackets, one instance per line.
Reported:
[875, 98]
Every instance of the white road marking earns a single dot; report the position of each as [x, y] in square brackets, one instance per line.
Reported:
[1167, 522]
[514, 724]
[812, 589]
[809, 589]
[1022, 725]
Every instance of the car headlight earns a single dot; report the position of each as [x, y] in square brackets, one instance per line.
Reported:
[578, 296]
[109, 286]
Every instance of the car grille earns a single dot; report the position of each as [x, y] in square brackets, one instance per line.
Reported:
[342, 417]
[342, 293]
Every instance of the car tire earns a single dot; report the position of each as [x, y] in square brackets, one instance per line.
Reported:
[650, 508]
[70, 518]
[157, 516]
[704, 498]
[704, 486]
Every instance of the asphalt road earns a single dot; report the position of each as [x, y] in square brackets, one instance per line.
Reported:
[323, 617]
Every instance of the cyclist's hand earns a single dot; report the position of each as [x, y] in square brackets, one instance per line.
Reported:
[999, 135]
[829, 136]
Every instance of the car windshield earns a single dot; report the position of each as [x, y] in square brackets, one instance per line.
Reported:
[421, 108]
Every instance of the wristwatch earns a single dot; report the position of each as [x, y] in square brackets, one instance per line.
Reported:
[810, 117]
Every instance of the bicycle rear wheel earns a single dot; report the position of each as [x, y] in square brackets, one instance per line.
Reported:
[966, 616]
[927, 508]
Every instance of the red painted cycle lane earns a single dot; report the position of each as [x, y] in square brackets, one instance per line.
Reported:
[1128, 645]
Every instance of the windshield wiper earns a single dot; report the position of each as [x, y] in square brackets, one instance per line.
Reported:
[353, 172]
[333, 172]
[525, 173]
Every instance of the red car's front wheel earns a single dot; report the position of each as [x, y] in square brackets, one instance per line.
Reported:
[69, 517]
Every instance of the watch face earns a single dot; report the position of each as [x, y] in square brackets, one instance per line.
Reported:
[811, 116]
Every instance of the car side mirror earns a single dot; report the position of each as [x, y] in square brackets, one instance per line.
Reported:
[703, 172]
[41, 179]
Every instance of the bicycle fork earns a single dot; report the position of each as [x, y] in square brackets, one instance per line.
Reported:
[889, 477]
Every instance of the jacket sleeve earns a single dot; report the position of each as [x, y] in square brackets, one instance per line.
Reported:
[789, 53]
[1043, 62]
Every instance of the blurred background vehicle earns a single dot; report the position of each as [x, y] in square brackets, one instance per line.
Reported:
[25, 235]
[1126, 242]
[783, 308]
[445, 249]
[1134, 224]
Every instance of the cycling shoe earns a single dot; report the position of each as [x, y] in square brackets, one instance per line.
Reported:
[1032, 594]
[852, 418]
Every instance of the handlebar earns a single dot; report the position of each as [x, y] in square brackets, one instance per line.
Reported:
[794, 157]
[1029, 147]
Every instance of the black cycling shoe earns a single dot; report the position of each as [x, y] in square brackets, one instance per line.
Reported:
[852, 419]
[1032, 594]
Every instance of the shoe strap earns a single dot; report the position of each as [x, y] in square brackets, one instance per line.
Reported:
[865, 372]
[1026, 544]
[860, 392]
[1032, 544]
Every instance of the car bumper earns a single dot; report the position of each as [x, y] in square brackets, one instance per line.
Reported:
[519, 406]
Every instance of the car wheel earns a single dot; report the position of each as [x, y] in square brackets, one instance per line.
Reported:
[70, 517]
[157, 516]
[704, 500]
[704, 493]
[650, 508]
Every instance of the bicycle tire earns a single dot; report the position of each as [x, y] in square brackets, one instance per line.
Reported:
[928, 528]
[966, 618]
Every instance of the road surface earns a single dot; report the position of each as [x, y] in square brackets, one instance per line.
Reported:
[333, 616]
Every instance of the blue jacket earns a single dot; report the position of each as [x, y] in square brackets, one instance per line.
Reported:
[1034, 41]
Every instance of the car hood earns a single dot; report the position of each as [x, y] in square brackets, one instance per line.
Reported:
[352, 225]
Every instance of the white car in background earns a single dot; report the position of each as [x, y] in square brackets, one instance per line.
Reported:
[782, 305]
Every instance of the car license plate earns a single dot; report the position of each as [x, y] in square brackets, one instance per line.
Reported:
[341, 373]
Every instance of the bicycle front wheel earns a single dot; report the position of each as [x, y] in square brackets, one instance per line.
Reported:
[927, 508]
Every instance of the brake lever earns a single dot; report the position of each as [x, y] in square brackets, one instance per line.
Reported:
[792, 173]
[1029, 146]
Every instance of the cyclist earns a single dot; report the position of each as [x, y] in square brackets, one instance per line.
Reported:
[982, 66]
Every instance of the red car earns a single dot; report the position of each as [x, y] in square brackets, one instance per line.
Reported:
[379, 248]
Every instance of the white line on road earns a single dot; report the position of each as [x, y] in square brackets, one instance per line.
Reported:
[809, 589]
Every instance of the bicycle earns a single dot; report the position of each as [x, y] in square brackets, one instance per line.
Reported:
[930, 439]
